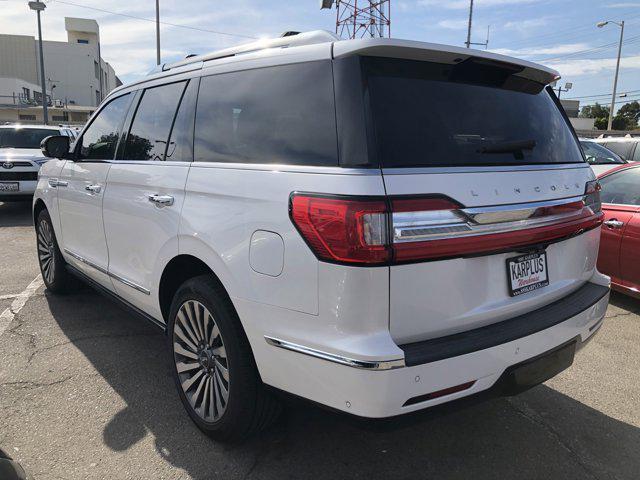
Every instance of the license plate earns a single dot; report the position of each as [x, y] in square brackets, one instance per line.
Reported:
[527, 273]
[9, 187]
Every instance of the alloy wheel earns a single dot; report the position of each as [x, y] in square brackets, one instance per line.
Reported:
[201, 360]
[46, 250]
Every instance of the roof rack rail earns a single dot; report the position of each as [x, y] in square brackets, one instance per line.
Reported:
[290, 40]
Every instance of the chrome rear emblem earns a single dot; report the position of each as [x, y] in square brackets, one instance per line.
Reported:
[7, 165]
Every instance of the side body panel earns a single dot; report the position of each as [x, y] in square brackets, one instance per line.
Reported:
[142, 236]
[630, 254]
[83, 240]
[609, 256]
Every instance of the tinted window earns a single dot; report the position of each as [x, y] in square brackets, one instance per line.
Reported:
[599, 155]
[24, 137]
[279, 114]
[621, 187]
[149, 133]
[621, 148]
[100, 139]
[180, 147]
[471, 113]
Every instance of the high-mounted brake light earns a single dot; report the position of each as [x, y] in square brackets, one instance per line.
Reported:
[386, 230]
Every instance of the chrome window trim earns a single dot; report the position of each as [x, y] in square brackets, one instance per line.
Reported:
[123, 280]
[331, 357]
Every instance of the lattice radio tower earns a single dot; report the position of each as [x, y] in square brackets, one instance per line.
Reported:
[361, 18]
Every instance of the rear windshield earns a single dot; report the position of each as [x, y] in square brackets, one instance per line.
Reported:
[471, 113]
[24, 137]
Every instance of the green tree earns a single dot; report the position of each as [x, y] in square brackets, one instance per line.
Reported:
[599, 112]
[628, 116]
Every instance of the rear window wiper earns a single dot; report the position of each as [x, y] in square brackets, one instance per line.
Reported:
[515, 147]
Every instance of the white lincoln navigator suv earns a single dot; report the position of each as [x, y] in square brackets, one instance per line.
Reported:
[376, 225]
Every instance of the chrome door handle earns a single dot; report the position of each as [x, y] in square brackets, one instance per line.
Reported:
[54, 182]
[93, 188]
[613, 223]
[161, 200]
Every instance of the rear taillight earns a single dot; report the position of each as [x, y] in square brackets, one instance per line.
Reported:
[386, 230]
[343, 229]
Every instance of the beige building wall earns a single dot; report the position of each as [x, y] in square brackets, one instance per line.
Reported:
[18, 57]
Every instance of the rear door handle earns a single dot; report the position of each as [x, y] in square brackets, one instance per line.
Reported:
[613, 223]
[161, 200]
[93, 188]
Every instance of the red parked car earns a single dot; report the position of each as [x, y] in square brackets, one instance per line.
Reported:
[619, 255]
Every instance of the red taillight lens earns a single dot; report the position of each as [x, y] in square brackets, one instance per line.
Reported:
[341, 229]
[379, 231]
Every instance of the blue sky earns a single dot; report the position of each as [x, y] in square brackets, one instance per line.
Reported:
[559, 33]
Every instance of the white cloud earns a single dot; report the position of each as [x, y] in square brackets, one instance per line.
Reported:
[464, 4]
[576, 68]
[624, 5]
[527, 24]
[561, 49]
[453, 24]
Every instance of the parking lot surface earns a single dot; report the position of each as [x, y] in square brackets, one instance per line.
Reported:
[86, 393]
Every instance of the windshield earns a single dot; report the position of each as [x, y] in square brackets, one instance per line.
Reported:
[598, 155]
[471, 113]
[24, 137]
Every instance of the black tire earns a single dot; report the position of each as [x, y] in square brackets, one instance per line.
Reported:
[249, 407]
[56, 277]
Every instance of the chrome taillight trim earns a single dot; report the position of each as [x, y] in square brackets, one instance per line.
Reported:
[422, 226]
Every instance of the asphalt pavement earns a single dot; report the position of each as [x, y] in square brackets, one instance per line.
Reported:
[86, 393]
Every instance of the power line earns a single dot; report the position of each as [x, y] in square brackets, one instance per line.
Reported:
[599, 95]
[629, 41]
[153, 20]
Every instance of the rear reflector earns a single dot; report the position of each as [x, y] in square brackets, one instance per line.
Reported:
[439, 393]
[382, 230]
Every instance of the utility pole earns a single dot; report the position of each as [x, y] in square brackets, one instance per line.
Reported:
[615, 78]
[38, 7]
[158, 32]
[468, 42]
[567, 87]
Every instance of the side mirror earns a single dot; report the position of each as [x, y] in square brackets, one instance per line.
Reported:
[55, 146]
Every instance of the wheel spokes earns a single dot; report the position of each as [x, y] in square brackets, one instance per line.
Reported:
[201, 360]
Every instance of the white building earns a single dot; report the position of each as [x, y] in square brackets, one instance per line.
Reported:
[75, 73]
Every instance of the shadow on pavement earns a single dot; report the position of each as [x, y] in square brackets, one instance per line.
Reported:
[625, 302]
[541, 434]
[15, 214]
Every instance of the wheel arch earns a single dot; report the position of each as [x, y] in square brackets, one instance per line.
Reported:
[177, 271]
[38, 206]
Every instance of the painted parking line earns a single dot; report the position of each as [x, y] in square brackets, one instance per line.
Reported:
[9, 297]
[19, 301]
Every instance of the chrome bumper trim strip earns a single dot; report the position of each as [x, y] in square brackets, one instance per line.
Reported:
[331, 357]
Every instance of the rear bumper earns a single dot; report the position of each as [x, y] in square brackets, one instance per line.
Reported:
[469, 367]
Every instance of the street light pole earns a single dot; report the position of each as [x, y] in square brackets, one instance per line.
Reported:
[615, 78]
[158, 32]
[38, 7]
[468, 42]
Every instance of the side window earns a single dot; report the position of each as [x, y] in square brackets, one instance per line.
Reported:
[149, 133]
[100, 139]
[282, 114]
[180, 148]
[621, 148]
[621, 187]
